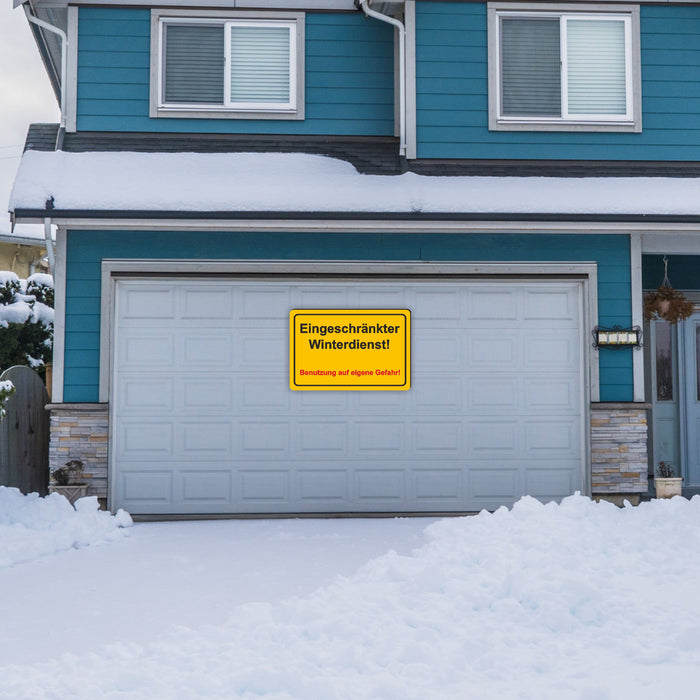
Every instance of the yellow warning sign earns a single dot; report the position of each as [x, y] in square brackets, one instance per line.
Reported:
[350, 349]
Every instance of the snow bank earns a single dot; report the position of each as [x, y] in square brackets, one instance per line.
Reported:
[578, 601]
[302, 182]
[32, 527]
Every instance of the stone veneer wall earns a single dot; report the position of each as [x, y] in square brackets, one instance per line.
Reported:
[81, 431]
[618, 448]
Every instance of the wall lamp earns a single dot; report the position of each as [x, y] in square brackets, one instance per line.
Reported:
[617, 337]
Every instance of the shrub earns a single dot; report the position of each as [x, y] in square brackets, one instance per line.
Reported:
[26, 321]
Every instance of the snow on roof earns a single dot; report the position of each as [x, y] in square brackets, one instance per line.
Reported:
[250, 182]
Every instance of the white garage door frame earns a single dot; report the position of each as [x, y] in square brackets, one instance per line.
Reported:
[584, 273]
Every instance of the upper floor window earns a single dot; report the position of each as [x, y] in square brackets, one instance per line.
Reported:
[239, 66]
[572, 69]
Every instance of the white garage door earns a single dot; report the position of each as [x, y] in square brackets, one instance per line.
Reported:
[203, 420]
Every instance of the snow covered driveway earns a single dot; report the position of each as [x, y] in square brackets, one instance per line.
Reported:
[582, 601]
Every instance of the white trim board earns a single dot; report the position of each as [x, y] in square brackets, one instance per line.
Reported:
[59, 323]
[205, 225]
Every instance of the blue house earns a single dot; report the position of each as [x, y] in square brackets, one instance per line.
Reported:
[505, 178]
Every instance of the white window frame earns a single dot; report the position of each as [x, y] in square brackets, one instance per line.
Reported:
[630, 122]
[293, 109]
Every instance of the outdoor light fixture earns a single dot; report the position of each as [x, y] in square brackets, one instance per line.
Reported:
[617, 337]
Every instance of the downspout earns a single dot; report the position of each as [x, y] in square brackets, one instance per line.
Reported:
[64, 68]
[49, 244]
[364, 5]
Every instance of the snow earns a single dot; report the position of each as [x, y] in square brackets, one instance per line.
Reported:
[579, 601]
[33, 527]
[7, 276]
[25, 307]
[41, 279]
[301, 183]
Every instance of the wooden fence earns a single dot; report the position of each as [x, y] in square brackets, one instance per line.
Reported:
[24, 433]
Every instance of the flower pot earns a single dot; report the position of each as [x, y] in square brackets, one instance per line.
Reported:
[667, 487]
[72, 492]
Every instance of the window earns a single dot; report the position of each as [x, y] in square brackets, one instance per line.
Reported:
[575, 69]
[241, 66]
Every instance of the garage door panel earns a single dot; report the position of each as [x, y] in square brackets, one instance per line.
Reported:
[322, 438]
[435, 487]
[146, 349]
[322, 486]
[322, 297]
[261, 349]
[491, 305]
[437, 352]
[143, 393]
[489, 486]
[263, 303]
[547, 483]
[262, 394]
[381, 438]
[207, 302]
[204, 394]
[438, 437]
[497, 437]
[147, 301]
[552, 437]
[489, 393]
[380, 486]
[144, 438]
[554, 351]
[320, 401]
[551, 303]
[371, 297]
[259, 439]
[204, 420]
[489, 351]
[436, 304]
[207, 350]
[555, 394]
[376, 401]
[143, 488]
[206, 438]
[265, 488]
[202, 487]
[436, 393]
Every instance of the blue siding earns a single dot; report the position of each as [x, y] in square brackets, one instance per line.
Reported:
[683, 271]
[349, 78]
[452, 94]
[87, 248]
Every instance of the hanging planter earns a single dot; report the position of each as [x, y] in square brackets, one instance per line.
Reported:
[666, 302]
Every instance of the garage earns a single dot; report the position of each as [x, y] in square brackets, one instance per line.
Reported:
[203, 420]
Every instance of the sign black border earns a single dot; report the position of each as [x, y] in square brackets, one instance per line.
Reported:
[406, 313]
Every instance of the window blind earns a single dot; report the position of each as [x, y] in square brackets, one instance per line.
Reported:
[260, 64]
[596, 66]
[530, 67]
[194, 64]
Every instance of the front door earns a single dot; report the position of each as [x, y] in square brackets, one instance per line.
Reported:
[691, 364]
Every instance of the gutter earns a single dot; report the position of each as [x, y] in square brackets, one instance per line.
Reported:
[364, 6]
[33, 215]
[64, 69]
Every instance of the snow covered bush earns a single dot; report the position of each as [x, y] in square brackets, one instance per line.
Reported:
[6, 390]
[26, 320]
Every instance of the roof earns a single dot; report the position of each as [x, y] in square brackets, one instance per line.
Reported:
[243, 184]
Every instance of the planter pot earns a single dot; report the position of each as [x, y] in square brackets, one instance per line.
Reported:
[668, 487]
[72, 492]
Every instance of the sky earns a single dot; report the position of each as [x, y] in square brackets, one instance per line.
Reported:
[25, 94]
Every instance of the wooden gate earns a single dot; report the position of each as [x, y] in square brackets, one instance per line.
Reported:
[24, 433]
